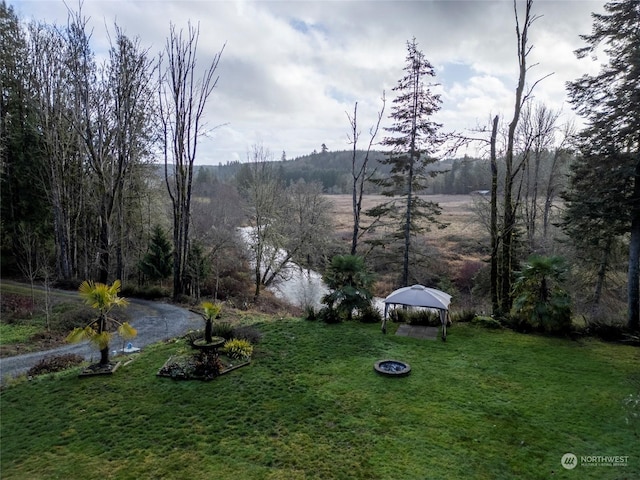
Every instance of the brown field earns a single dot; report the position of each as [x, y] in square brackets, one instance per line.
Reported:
[463, 239]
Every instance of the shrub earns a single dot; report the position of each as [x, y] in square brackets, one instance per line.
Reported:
[486, 322]
[310, 313]
[329, 315]
[466, 274]
[398, 315]
[222, 329]
[248, 333]
[178, 368]
[207, 365]
[369, 314]
[424, 317]
[612, 332]
[232, 285]
[64, 284]
[55, 364]
[18, 305]
[238, 348]
[462, 316]
[150, 292]
[74, 318]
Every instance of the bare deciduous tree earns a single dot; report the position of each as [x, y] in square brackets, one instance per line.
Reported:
[543, 157]
[112, 118]
[493, 226]
[285, 224]
[64, 178]
[359, 168]
[264, 193]
[306, 223]
[183, 96]
[512, 168]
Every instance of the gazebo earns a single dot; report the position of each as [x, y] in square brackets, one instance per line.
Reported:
[419, 296]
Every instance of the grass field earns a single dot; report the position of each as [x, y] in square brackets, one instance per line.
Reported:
[465, 238]
[23, 322]
[484, 405]
[457, 210]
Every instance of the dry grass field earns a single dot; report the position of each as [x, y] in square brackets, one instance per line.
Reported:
[465, 237]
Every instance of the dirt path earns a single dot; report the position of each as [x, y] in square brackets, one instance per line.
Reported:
[154, 321]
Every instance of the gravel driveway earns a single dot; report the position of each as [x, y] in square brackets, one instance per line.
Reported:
[154, 321]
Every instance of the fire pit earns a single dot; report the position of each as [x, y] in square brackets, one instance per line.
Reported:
[392, 368]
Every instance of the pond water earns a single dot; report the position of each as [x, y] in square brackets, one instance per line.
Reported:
[295, 285]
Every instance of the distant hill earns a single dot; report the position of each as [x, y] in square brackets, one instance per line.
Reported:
[333, 170]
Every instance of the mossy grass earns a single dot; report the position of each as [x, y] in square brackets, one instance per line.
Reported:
[487, 404]
[24, 318]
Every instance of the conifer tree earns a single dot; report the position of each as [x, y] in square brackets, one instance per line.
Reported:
[157, 263]
[610, 143]
[414, 139]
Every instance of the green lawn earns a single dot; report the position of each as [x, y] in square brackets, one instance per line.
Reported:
[484, 405]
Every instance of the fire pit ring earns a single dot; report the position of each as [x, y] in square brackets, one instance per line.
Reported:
[392, 368]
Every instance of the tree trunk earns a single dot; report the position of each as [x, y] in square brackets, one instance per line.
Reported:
[104, 246]
[509, 225]
[633, 294]
[549, 194]
[104, 352]
[359, 175]
[357, 206]
[495, 304]
[182, 100]
[208, 329]
[104, 355]
[407, 228]
[356, 200]
[602, 272]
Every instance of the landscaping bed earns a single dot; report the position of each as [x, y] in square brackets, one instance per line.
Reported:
[189, 366]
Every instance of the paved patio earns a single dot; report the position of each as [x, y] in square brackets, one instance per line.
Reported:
[416, 331]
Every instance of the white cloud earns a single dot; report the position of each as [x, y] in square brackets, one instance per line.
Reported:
[291, 69]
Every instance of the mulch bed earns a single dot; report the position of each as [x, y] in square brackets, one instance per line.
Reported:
[99, 369]
[180, 367]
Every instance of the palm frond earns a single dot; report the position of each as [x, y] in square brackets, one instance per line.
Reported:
[126, 331]
[101, 296]
[101, 340]
[88, 293]
[211, 310]
[79, 334]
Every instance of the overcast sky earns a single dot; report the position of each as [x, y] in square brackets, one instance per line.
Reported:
[291, 69]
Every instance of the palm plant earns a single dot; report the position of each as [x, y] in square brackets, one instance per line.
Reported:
[350, 285]
[103, 298]
[539, 298]
[211, 311]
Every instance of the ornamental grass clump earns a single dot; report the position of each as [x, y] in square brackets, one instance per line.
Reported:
[238, 348]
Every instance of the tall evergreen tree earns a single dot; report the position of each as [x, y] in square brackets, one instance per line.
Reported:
[157, 263]
[22, 203]
[610, 143]
[414, 140]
